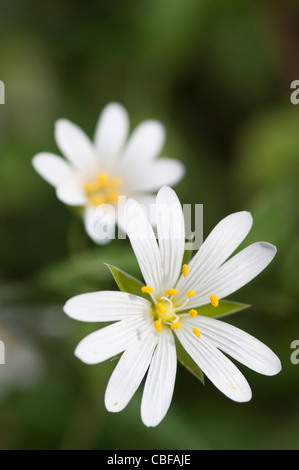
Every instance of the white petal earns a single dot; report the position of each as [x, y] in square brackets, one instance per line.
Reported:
[52, 168]
[111, 131]
[75, 145]
[148, 201]
[70, 192]
[162, 172]
[240, 345]
[100, 223]
[219, 245]
[106, 306]
[159, 385]
[217, 367]
[145, 143]
[235, 273]
[171, 235]
[145, 245]
[109, 341]
[129, 372]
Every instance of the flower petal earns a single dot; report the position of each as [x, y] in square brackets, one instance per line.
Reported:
[234, 274]
[144, 244]
[171, 235]
[159, 385]
[75, 145]
[106, 306]
[149, 203]
[145, 143]
[238, 344]
[109, 341]
[130, 371]
[100, 223]
[217, 367]
[111, 131]
[52, 168]
[219, 245]
[70, 192]
[163, 172]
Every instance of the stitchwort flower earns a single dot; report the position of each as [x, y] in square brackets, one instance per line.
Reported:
[94, 175]
[172, 303]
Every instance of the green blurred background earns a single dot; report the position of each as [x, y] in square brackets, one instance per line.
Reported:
[218, 74]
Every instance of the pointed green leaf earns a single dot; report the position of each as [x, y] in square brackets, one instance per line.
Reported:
[187, 361]
[126, 282]
[225, 307]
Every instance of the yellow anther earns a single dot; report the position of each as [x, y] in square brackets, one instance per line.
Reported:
[214, 300]
[147, 289]
[116, 403]
[193, 313]
[102, 178]
[161, 308]
[96, 200]
[175, 326]
[158, 326]
[170, 291]
[190, 293]
[113, 197]
[196, 332]
[90, 186]
[185, 270]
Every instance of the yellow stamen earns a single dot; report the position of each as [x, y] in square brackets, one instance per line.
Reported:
[175, 326]
[113, 197]
[96, 200]
[185, 270]
[214, 300]
[196, 332]
[116, 403]
[90, 186]
[102, 178]
[147, 289]
[193, 313]
[158, 326]
[170, 292]
[161, 308]
[190, 293]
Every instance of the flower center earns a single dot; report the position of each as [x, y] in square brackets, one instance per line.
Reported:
[102, 190]
[164, 311]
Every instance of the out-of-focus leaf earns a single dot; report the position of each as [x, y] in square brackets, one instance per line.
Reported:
[126, 282]
[188, 251]
[83, 271]
[187, 361]
[268, 149]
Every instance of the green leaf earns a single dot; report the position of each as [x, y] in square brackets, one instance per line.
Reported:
[187, 361]
[126, 282]
[225, 307]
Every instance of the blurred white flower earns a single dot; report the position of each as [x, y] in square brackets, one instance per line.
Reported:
[96, 174]
[22, 366]
[145, 328]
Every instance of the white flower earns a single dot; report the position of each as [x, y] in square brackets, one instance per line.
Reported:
[21, 365]
[144, 328]
[96, 174]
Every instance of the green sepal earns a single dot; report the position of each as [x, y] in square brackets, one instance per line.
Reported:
[187, 361]
[225, 308]
[126, 282]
